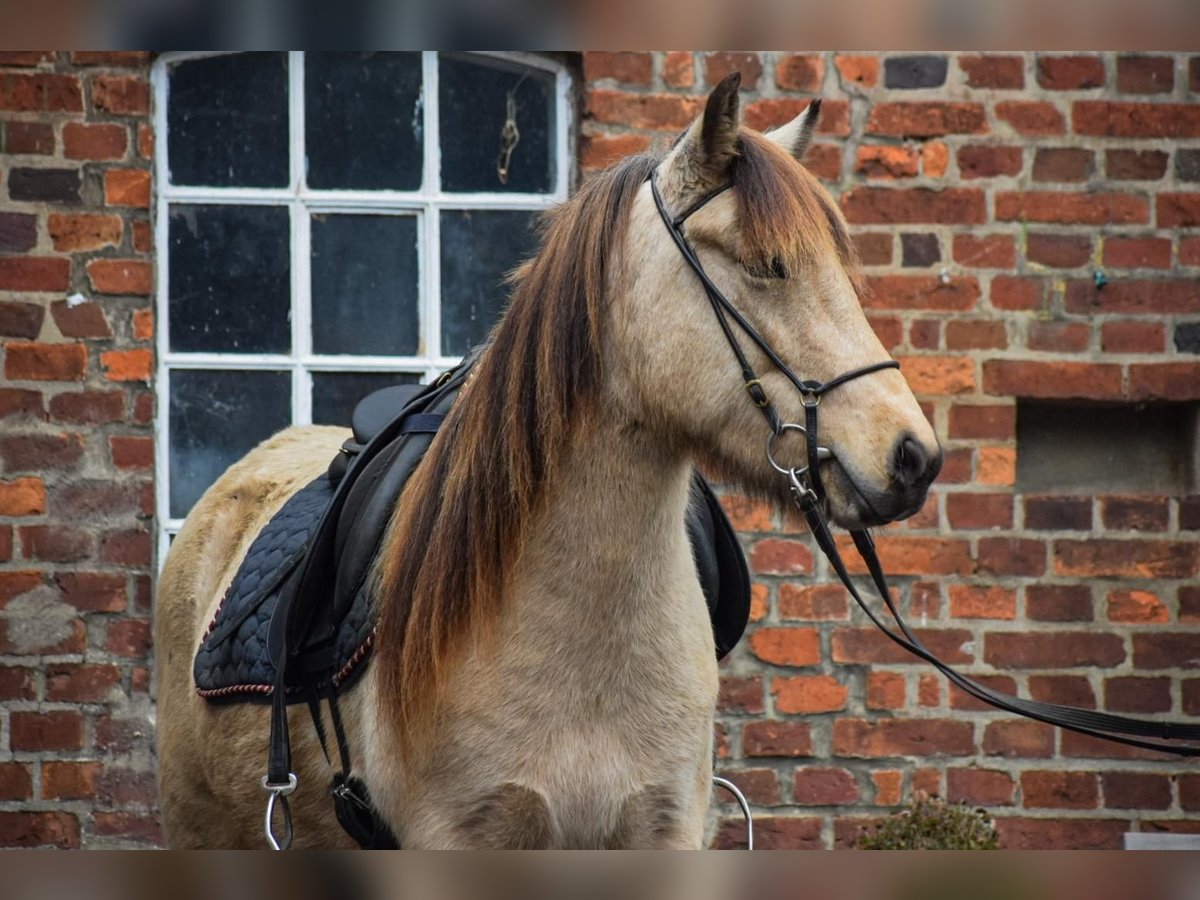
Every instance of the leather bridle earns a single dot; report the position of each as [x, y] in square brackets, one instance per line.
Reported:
[809, 492]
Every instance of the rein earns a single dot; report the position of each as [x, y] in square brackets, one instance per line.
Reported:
[808, 492]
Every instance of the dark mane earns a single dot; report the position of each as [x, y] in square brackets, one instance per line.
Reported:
[445, 561]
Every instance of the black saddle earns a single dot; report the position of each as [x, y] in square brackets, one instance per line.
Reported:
[298, 612]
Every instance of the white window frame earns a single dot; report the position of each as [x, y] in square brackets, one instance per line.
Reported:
[302, 202]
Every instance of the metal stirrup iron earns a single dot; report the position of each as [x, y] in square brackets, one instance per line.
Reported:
[743, 803]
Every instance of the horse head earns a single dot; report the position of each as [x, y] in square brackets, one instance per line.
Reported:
[775, 245]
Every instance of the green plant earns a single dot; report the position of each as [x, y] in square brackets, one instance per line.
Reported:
[930, 823]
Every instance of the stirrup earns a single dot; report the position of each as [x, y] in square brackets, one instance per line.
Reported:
[279, 793]
[742, 802]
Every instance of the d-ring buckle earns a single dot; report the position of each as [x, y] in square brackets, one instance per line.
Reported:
[279, 792]
[822, 452]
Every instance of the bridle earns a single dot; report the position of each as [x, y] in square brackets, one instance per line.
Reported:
[809, 492]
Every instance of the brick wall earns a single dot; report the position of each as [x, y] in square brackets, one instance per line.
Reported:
[985, 191]
[76, 450]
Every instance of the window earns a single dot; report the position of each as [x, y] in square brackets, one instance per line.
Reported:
[332, 223]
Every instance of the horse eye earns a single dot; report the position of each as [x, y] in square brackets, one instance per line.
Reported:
[774, 269]
[778, 269]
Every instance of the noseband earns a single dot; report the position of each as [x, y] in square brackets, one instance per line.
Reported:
[807, 490]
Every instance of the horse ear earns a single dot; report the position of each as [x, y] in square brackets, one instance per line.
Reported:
[710, 144]
[796, 135]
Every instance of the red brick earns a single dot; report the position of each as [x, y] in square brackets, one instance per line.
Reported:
[678, 69]
[772, 833]
[1016, 378]
[34, 138]
[926, 334]
[653, 111]
[870, 646]
[45, 362]
[1125, 559]
[939, 375]
[761, 786]
[1136, 119]
[1019, 738]
[109, 57]
[976, 161]
[886, 162]
[1060, 834]
[1136, 513]
[1177, 210]
[800, 72]
[1145, 74]
[21, 320]
[1135, 165]
[16, 782]
[1135, 253]
[1168, 381]
[960, 699]
[127, 365]
[121, 95]
[34, 273]
[1059, 337]
[902, 737]
[935, 159]
[55, 543]
[786, 646]
[723, 63]
[14, 584]
[6, 543]
[1166, 650]
[627, 68]
[971, 334]
[94, 142]
[1063, 164]
[16, 683]
[129, 637]
[121, 276]
[81, 683]
[886, 206]
[1133, 694]
[834, 117]
[132, 452]
[979, 787]
[143, 324]
[921, 292]
[986, 423]
[126, 548]
[35, 452]
[993, 251]
[993, 71]
[601, 150]
[1136, 790]
[92, 591]
[770, 738]
[70, 780]
[83, 231]
[25, 58]
[1071, 208]
[1133, 296]
[88, 407]
[1057, 650]
[39, 829]
[1058, 602]
[1061, 251]
[1132, 337]
[22, 497]
[759, 602]
[1059, 790]
[1032, 118]
[824, 161]
[1070, 73]
[1194, 74]
[862, 70]
[825, 787]
[889, 330]
[885, 690]
[127, 187]
[741, 695]
[82, 320]
[969, 601]
[926, 119]
[1068, 690]
[808, 694]
[40, 92]
[1189, 792]
[820, 602]
[1083, 746]
[35, 731]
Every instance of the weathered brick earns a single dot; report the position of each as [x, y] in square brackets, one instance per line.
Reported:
[1020, 378]
[741, 695]
[988, 423]
[127, 365]
[127, 187]
[1011, 556]
[624, 67]
[1136, 790]
[1070, 73]
[1132, 337]
[128, 637]
[993, 251]
[22, 497]
[1137, 253]
[49, 828]
[44, 185]
[18, 232]
[1059, 790]
[919, 250]
[1166, 650]
[771, 738]
[1018, 738]
[979, 787]
[122, 95]
[886, 161]
[1135, 165]
[1177, 210]
[55, 543]
[35, 452]
[1147, 120]
[761, 786]
[1133, 296]
[834, 117]
[780, 557]
[1101, 557]
[88, 407]
[902, 737]
[602, 150]
[926, 119]
[800, 72]
[1072, 208]
[863, 70]
[1032, 118]
[92, 591]
[808, 694]
[772, 833]
[121, 276]
[872, 647]
[41, 92]
[1058, 650]
[94, 142]
[981, 161]
[45, 362]
[723, 63]
[821, 602]
[883, 206]
[80, 320]
[35, 731]
[1060, 834]
[1060, 251]
[21, 320]
[678, 69]
[1069, 690]
[1135, 513]
[70, 780]
[991, 71]
[960, 699]
[825, 787]
[1058, 337]
[939, 375]
[787, 646]
[973, 511]
[1063, 164]
[1145, 74]
[1059, 602]
[83, 231]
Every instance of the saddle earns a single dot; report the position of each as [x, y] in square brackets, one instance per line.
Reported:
[299, 611]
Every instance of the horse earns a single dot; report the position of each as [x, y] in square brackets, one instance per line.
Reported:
[544, 673]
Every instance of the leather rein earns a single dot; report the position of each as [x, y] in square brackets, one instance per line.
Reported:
[808, 492]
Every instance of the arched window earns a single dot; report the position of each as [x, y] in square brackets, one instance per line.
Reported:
[331, 223]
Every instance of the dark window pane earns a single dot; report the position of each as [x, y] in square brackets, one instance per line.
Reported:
[473, 94]
[363, 120]
[478, 250]
[335, 393]
[215, 418]
[364, 285]
[230, 279]
[227, 121]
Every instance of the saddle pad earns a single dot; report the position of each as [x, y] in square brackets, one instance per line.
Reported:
[232, 662]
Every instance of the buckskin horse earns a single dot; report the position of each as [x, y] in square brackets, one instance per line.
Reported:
[544, 673]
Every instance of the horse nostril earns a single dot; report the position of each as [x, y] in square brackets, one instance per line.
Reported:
[912, 464]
